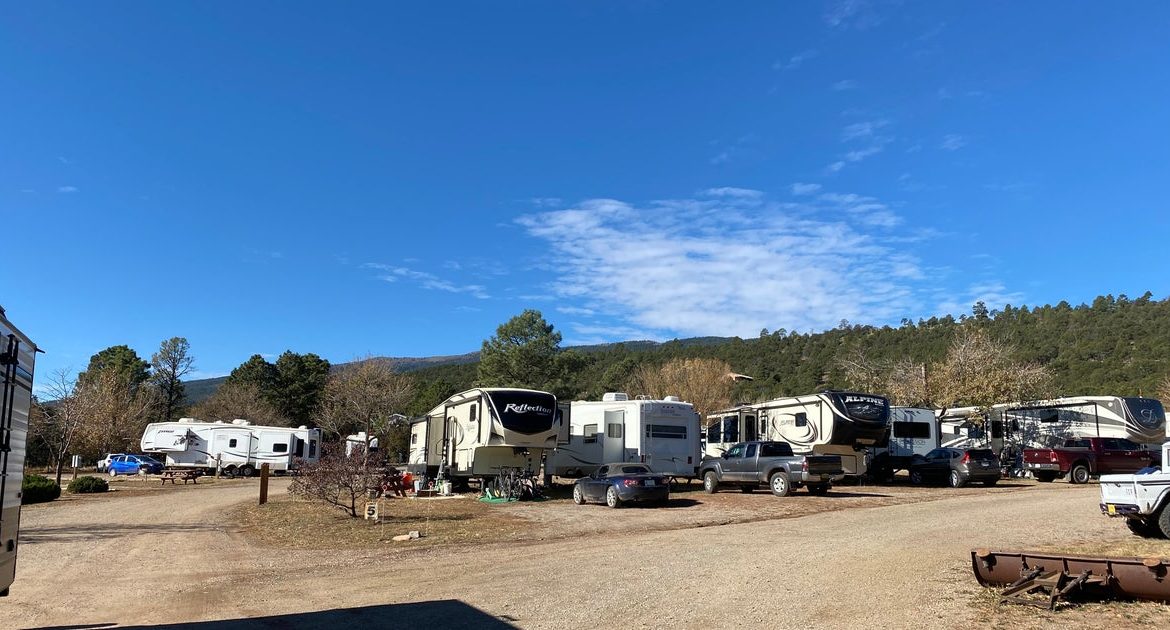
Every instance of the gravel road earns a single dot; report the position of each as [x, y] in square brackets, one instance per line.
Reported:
[167, 558]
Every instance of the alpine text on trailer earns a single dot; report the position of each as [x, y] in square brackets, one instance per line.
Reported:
[828, 423]
[239, 447]
[17, 355]
[477, 432]
[663, 434]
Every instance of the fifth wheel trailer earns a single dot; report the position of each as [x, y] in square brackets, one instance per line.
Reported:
[236, 447]
[17, 355]
[663, 434]
[478, 432]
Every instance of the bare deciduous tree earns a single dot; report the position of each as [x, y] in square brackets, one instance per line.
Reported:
[56, 424]
[116, 411]
[337, 480]
[705, 383]
[365, 395]
[238, 400]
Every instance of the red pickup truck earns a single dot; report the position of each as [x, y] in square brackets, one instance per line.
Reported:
[1084, 458]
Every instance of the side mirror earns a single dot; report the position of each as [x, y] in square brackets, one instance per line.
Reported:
[723, 455]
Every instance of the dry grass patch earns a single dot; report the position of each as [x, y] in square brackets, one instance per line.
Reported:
[298, 523]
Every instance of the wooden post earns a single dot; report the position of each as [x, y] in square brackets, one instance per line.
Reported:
[263, 484]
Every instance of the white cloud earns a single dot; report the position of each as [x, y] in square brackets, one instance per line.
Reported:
[727, 266]
[795, 61]
[426, 280]
[67, 189]
[846, 84]
[861, 130]
[545, 202]
[728, 191]
[856, 14]
[952, 142]
[805, 189]
[992, 293]
[576, 310]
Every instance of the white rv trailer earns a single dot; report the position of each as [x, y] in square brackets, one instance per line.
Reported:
[239, 447]
[1047, 423]
[969, 427]
[914, 432]
[477, 432]
[17, 356]
[828, 423]
[663, 434]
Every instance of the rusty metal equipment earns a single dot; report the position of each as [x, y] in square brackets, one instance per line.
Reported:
[1044, 579]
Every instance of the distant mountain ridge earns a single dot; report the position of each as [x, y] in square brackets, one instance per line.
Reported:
[199, 390]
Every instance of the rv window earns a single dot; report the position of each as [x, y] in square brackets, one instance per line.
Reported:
[713, 433]
[912, 430]
[590, 433]
[802, 419]
[1048, 415]
[232, 443]
[668, 431]
[474, 411]
[749, 428]
[313, 448]
[414, 438]
[613, 430]
[731, 429]
[280, 448]
[299, 451]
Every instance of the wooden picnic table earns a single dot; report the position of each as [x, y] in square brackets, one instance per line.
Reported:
[184, 474]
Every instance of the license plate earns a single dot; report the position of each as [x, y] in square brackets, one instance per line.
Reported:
[649, 482]
[1111, 509]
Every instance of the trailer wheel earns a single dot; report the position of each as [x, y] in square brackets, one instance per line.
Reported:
[779, 484]
[1144, 528]
[1079, 474]
[247, 471]
[711, 482]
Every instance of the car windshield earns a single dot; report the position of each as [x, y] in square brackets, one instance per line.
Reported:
[635, 470]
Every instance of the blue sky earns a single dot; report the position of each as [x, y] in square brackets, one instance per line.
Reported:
[377, 178]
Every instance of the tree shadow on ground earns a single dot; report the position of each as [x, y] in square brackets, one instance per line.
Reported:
[447, 613]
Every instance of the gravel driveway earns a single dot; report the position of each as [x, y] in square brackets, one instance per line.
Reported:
[165, 557]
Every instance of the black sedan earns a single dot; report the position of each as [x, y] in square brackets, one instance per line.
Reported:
[616, 484]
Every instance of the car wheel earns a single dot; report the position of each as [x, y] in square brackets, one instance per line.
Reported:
[990, 482]
[247, 471]
[1079, 474]
[779, 484]
[711, 482]
[818, 489]
[916, 477]
[113, 473]
[611, 498]
[956, 479]
[578, 496]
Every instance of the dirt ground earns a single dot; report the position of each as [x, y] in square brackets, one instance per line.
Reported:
[887, 556]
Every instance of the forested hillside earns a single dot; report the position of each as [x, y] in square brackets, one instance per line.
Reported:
[1112, 346]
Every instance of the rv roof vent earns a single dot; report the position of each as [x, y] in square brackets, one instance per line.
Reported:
[615, 397]
[672, 399]
[186, 419]
[240, 421]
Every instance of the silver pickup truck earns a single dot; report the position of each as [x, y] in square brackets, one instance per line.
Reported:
[749, 465]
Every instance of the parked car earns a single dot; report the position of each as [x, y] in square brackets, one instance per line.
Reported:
[956, 466]
[615, 484]
[134, 465]
[749, 465]
[1087, 457]
[104, 463]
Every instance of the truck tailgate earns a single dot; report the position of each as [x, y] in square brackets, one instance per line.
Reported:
[824, 464]
[1118, 491]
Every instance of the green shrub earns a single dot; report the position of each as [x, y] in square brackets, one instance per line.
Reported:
[88, 485]
[38, 489]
